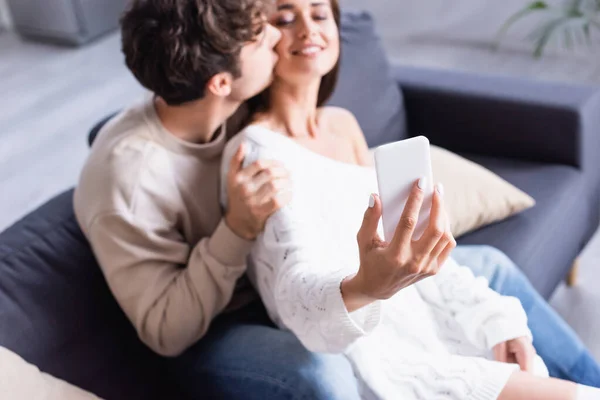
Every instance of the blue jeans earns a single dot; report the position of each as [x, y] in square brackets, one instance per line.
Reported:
[244, 356]
[557, 344]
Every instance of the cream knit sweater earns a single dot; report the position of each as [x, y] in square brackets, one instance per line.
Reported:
[432, 340]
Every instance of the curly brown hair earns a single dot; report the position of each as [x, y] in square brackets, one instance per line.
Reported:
[174, 47]
[329, 81]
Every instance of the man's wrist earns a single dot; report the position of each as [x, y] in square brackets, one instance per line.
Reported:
[242, 233]
[227, 247]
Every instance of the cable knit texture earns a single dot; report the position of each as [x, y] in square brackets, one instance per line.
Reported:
[432, 340]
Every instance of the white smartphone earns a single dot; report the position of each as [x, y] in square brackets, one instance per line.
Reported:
[399, 165]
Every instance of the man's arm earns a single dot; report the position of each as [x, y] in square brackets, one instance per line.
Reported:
[169, 290]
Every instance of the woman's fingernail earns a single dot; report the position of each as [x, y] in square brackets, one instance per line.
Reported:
[440, 188]
[422, 183]
[371, 201]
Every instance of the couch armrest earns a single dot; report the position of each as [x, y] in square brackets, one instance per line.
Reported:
[505, 117]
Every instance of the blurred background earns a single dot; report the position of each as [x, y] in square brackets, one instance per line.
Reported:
[61, 70]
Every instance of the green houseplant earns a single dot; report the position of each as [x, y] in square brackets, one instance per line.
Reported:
[574, 23]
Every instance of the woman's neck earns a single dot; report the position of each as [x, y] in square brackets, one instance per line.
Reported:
[294, 108]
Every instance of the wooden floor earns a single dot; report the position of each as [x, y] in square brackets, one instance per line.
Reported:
[459, 35]
[480, 57]
[51, 96]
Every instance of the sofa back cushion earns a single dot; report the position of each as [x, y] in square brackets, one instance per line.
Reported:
[366, 86]
[57, 312]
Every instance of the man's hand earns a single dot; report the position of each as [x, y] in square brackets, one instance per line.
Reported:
[516, 351]
[254, 194]
[386, 268]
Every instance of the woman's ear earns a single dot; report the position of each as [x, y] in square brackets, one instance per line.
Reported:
[220, 85]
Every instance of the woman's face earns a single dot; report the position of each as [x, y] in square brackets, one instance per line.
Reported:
[310, 44]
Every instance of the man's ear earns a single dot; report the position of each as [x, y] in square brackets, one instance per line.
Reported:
[220, 85]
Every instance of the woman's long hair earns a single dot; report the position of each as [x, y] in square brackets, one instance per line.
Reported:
[262, 101]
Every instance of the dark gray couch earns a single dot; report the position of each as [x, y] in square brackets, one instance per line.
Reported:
[57, 312]
[542, 137]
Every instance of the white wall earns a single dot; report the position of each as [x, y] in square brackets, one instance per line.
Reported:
[5, 21]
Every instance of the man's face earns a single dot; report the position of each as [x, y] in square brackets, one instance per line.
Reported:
[258, 60]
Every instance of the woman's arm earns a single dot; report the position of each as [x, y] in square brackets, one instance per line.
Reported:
[307, 288]
[298, 279]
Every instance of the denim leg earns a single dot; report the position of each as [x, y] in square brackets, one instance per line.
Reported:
[244, 356]
[559, 346]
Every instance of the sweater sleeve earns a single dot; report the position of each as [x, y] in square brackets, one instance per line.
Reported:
[307, 287]
[486, 317]
[169, 290]
[302, 277]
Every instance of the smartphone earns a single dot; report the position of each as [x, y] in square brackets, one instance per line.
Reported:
[399, 165]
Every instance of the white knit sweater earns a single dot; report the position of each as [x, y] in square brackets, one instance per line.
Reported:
[432, 340]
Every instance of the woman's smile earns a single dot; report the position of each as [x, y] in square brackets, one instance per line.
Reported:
[308, 50]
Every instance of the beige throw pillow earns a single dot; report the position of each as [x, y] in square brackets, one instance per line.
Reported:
[474, 196]
[20, 380]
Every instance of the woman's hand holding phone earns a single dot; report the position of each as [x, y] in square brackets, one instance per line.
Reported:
[387, 268]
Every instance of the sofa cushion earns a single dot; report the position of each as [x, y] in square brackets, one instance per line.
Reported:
[365, 84]
[57, 313]
[544, 240]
